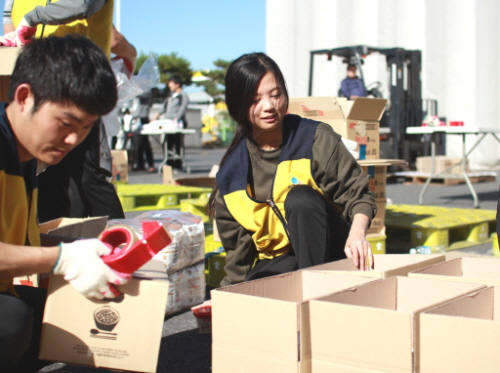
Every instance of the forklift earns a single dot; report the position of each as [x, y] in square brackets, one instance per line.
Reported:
[405, 107]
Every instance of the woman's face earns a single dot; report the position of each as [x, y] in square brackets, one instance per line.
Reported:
[268, 107]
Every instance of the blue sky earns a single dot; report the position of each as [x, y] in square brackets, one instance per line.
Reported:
[201, 31]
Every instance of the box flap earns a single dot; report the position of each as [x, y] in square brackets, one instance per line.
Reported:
[320, 283]
[8, 57]
[367, 109]
[481, 268]
[317, 108]
[75, 227]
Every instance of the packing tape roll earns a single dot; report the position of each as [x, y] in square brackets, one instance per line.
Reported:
[119, 237]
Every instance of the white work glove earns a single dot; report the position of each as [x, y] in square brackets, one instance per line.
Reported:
[81, 265]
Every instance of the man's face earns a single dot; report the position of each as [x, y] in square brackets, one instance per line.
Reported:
[52, 131]
[173, 86]
[351, 72]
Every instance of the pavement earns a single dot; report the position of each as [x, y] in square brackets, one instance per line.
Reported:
[183, 349]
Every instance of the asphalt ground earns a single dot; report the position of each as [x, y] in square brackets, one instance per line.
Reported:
[183, 349]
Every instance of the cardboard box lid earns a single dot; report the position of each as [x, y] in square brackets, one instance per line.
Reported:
[385, 265]
[318, 108]
[75, 227]
[8, 57]
[367, 109]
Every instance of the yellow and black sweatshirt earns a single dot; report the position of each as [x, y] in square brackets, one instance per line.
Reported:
[253, 185]
[18, 194]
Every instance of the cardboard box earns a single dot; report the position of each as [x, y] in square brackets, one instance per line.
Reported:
[378, 222]
[168, 179]
[441, 164]
[468, 269]
[356, 120]
[385, 265]
[75, 330]
[378, 181]
[8, 57]
[75, 227]
[462, 335]
[255, 324]
[374, 327]
[119, 167]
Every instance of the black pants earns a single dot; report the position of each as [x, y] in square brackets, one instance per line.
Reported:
[20, 329]
[77, 186]
[175, 144]
[144, 148]
[317, 233]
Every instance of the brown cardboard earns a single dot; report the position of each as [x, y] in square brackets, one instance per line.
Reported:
[441, 164]
[168, 179]
[374, 327]
[378, 181]
[385, 265]
[478, 270]
[356, 120]
[70, 333]
[75, 227]
[463, 335]
[378, 222]
[255, 324]
[119, 167]
[8, 56]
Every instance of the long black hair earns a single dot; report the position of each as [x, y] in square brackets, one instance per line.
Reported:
[242, 79]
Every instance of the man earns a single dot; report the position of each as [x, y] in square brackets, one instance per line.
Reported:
[78, 186]
[174, 108]
[59, 89]
[352, 87]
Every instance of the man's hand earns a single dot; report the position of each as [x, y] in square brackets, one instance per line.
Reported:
[81, 265]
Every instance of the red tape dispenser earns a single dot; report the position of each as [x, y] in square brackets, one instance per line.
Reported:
[128, 255]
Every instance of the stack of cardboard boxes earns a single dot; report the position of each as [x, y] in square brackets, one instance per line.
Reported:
[356, 120]
[411, 313]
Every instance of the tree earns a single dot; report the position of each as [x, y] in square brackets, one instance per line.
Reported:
[215, 85]
[169, 64]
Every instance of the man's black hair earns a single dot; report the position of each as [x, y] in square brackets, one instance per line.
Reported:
[176, 79]
[70, 69]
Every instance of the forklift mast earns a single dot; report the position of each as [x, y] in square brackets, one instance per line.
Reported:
[405, 89]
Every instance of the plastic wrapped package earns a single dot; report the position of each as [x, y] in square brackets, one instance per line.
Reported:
[188, 237]
[186, 289]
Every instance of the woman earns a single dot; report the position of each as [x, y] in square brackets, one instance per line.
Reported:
[289, 195]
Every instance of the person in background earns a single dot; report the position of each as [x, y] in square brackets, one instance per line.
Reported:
[175, 108]
[288, 193]
[78, 186]
[140, 110]
[352, 87]
[48, 114]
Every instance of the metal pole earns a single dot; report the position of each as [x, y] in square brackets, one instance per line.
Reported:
[118, 15]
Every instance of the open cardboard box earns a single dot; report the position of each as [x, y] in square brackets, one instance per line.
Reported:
[119, 167]
[468, 269]
[119, 334]
[374, 327]
[356, 120]
[8, 57]
[75, 227]
[462, 335]
[255, 324]
[385, 265]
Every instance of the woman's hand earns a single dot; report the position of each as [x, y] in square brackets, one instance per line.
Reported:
[357, 246]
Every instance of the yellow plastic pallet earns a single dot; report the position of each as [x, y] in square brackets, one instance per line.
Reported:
[196, 206]
[145, 197]
[410, 226]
